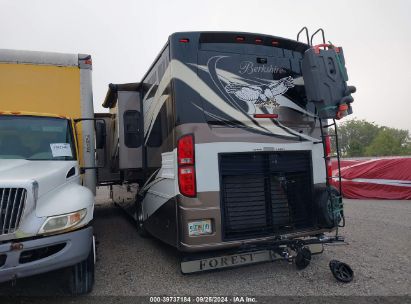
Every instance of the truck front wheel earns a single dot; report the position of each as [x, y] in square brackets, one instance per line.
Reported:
[82, 275]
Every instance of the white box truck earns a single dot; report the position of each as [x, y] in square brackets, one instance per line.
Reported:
[47, 175]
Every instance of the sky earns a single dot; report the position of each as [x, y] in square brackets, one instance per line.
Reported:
[124, 37]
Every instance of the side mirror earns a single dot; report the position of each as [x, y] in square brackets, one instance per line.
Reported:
[100, 138]
[100, 135]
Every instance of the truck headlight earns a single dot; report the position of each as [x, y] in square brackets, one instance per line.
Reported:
[63, 222]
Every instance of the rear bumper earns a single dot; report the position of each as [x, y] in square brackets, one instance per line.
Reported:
[76, 248]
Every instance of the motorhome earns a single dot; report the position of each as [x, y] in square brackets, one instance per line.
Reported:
[47, 175]
[222, 149]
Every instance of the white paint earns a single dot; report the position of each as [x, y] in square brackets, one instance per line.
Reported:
[87, 111]
[207, 170]
[57, 194]
[168, 160]
[38, 58]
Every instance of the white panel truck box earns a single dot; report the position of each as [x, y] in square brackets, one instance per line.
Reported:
[226, 138]
[47, 175]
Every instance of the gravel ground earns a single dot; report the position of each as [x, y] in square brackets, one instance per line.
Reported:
[379, 251]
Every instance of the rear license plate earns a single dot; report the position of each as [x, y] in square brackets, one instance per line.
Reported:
[199, 228]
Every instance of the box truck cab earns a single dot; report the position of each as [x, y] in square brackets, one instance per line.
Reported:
[47, 183]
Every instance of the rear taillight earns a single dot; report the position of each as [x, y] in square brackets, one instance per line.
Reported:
[187, 181]
[185, 150]
[328, 156]
[186, 169]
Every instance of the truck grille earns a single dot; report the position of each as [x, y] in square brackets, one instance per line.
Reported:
[265, 193]
[12, 202]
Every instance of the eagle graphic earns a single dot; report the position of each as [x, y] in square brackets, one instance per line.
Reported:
[261, 95]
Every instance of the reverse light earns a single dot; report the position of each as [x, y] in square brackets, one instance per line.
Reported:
[63, 222]
[187, 181]
[186, 169]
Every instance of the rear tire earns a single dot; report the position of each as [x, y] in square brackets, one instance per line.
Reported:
[82, 275]
[323, 199]
[303, 258]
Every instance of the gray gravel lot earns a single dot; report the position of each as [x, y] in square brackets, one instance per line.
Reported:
[379, 251]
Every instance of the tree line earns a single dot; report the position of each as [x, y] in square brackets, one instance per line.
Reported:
[358, 137]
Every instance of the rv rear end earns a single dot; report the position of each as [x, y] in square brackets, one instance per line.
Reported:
[227, 150]
[249, 153]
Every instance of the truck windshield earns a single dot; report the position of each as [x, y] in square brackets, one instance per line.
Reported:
[36, 138]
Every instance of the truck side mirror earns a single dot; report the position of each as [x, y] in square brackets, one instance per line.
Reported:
[100, 135]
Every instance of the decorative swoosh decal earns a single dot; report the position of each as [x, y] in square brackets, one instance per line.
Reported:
[182, 72]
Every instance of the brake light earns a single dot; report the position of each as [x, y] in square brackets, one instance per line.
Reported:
[185, 150]
[184, 40]
[240, 39]
[186, 169]
[266, 116]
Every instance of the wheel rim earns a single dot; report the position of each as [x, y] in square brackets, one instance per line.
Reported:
[341, 271]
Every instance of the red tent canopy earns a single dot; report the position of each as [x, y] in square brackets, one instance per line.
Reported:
[383, 178]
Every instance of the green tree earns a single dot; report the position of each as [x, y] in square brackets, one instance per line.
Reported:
[389, 142]
[354, 136]
[361, 138]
